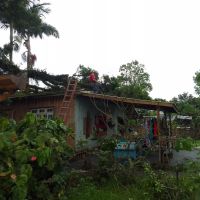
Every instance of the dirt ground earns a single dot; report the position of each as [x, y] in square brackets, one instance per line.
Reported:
[182, 156]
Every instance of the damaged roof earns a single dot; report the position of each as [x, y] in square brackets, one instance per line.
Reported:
[13, 82]
[138, 103]
[10, 83]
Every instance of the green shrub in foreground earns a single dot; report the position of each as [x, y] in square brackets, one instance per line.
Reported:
[33, 159]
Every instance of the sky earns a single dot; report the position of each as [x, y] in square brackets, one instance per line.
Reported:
[164, 35]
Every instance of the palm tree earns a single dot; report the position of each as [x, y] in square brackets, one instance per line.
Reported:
[11, 12]
[25, 17]
[36, 27]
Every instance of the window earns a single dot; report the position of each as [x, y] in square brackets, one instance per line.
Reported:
[43, 112]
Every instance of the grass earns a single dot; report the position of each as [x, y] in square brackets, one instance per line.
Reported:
[111, 191]
[196, 143]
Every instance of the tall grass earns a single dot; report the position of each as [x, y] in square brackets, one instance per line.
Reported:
[110, 191]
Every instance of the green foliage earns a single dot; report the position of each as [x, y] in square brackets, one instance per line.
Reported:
[52, 82]
[26, 17]
[196, 79]
[134, 74]
[82, 144]
[107, 143]
[132, 91]
[83, 76]
[126, 173]
[110, 85]
[132, 123]
[161, 185]
[6, 67]
[133, 82]
[189, 105]
[184, 144]
[186, 104]
[33, 158]
[137, 180]
[105, 165]
[110, 191]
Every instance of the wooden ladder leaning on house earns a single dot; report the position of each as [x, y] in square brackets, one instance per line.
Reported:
[65, 109]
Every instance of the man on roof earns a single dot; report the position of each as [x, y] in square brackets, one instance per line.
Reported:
[93, 82]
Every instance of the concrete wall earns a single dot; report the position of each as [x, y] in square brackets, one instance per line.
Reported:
[84, 105]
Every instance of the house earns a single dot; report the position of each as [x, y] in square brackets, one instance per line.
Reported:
[91, 115]
[183, 121]
[184, 126]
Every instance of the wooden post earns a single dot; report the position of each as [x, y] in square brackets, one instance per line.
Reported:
[158, 129]
[11, 43]
[170, 125]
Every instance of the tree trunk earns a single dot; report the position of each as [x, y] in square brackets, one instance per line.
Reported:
[28, 46]
[11, 42]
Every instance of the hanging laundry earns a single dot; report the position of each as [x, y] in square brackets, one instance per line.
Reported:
[155, 131]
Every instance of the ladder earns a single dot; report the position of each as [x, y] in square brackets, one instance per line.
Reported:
[65, 109]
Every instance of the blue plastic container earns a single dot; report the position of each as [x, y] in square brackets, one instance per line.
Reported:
[132, 146]
[125, 154]
[125, 150]
[132, 154]
[122, 145]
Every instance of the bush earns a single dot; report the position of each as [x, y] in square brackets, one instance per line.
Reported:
[162, 185]
[107, 143]
[33, 158]
[184, 144]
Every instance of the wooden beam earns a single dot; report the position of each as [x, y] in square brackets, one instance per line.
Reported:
[158, 129]
[138, 103]
[170, 125]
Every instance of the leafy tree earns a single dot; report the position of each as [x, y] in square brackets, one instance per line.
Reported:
[134, 81]
[134, 74]
[132, 91]
[185, 103]
[110, 85]
[52, 83]
[196, 79]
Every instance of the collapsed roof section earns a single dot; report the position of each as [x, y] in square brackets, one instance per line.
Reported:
[10, 83]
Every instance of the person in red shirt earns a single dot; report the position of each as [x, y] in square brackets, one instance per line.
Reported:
[93, 81]
[92, 77]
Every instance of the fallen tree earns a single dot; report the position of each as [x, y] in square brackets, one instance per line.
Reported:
[43, 81]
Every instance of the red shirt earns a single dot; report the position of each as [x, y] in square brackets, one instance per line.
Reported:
[92, 77]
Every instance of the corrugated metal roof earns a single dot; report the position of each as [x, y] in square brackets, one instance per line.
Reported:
[182, 117]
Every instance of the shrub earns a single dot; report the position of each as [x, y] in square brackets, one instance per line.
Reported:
[33, 158]
[107, 143]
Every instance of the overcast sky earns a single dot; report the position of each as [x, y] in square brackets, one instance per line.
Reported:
[164, 35]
